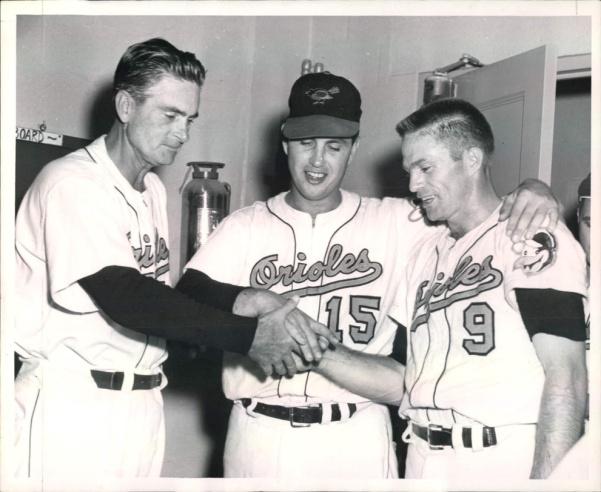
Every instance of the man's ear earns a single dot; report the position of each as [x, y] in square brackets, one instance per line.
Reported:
[473, 159]
[285, 146]
[353, 150]
[124, 105]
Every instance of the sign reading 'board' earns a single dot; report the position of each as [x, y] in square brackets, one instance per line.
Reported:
[39, 136]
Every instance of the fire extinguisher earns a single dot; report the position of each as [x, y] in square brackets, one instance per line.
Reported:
[205, 203]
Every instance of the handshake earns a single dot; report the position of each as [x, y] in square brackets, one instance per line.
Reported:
[287, 340]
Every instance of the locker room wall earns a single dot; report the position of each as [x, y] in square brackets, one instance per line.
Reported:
[251, 64]
[244, 99]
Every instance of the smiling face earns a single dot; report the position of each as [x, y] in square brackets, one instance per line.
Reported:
[438, 180]
[317, 167]
[158, 126]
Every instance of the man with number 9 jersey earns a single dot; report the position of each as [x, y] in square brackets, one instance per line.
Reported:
[495, 382]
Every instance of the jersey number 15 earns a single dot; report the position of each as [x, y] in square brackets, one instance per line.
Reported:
[361, 310]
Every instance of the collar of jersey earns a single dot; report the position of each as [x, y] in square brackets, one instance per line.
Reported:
[491, 220]
[347, 208]
[100, 154]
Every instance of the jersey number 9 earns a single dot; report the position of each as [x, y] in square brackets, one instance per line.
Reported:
[479, 322]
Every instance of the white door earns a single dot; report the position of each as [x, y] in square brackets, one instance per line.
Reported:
[517, 96]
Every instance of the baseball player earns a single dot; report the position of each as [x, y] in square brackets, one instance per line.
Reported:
[495, 382]
[575, 464]
[93, 302]
[343, 255]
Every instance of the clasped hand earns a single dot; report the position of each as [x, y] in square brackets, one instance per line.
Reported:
[284, 330]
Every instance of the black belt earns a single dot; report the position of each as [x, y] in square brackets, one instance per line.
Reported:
[299, 415]
[439, 437]
[114, 380]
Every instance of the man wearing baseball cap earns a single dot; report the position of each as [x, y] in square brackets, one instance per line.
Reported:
[343, 255]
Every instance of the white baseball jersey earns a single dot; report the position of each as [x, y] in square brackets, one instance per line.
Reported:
[79, 216]
[345, 265]
[470, 357]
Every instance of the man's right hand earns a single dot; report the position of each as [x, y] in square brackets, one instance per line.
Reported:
[312, 338]
[284, 330]
[272, 346]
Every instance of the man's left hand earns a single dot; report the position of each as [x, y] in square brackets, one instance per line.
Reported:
[528, 208]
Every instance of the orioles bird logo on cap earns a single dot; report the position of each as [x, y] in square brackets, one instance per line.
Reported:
[320, 96]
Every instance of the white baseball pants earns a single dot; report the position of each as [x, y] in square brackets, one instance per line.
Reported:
[264, 447]
[511, 458]
[69, 429]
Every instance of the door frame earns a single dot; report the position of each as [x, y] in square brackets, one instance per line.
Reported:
[573, 66]
[568, 67]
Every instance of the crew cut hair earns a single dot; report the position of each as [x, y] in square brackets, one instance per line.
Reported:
[144, 64]
[455, 122]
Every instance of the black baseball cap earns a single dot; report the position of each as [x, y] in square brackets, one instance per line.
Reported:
[323, 105]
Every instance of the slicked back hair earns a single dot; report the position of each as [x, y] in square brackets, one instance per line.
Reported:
[455, 122]
[144, 64]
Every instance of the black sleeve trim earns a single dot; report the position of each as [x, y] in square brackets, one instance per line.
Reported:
[202, 288]
[142, 304]
[552, 311]
[399, 345]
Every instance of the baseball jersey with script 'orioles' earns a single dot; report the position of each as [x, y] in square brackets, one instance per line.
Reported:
[345, 266]
[470, 357]
[80, 216]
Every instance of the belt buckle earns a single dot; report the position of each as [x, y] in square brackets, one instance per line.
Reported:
[116, 380]
[291, 419]
[434, 427]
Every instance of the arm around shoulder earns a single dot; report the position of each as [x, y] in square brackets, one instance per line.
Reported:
[529, 207]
